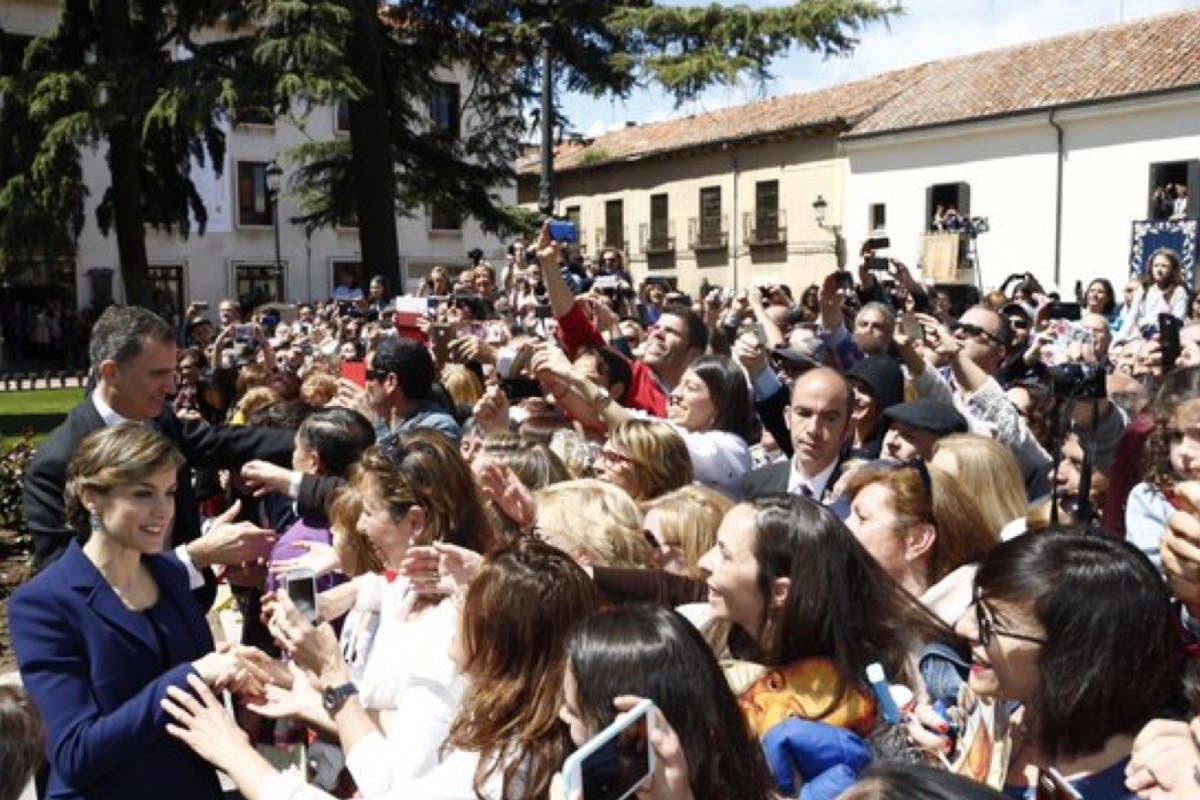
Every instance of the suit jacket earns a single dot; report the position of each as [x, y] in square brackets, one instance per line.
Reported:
[773, 479]
[97, 672]
[201, 444]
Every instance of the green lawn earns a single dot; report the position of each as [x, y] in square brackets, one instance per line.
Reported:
[37, 411]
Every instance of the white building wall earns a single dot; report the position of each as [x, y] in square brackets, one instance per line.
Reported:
[1011, 172]
[1107, 177]
[1011, 166]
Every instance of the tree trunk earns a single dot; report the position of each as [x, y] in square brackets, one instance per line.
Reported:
[371, 151]
[124, 164]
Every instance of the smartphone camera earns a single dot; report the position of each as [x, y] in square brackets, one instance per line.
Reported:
[302, 591]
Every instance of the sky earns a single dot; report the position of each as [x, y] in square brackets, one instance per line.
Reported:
[927, 31]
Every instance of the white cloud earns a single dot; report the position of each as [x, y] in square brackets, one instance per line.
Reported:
[928, 31]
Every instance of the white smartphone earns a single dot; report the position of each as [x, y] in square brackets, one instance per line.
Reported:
[616, 762]
[302, 590]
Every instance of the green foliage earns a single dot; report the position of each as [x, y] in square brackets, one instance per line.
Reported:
[13, 462]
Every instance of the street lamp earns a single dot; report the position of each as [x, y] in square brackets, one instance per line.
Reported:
[820, 209]
[546, 188]
[274, 177]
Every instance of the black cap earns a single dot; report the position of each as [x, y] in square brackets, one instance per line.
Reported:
[1017, 309]
[882, 377]
[929, 415]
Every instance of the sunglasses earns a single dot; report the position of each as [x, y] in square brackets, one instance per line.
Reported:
[967, 329]
[379, 375]
[986, 625]
[1020, 323]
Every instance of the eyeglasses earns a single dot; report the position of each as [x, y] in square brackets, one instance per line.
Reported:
[1020, 323]
[612, 456]
[967, 329]
[379, 375]
[987, 627]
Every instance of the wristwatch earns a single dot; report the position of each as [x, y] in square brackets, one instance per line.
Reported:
[334, 697]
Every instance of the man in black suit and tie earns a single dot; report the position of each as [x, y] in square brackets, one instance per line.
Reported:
[818, 421]
[132, 353]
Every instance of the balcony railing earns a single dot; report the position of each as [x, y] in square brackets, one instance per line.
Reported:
[655, 238]
[764, 229]
[706, 235]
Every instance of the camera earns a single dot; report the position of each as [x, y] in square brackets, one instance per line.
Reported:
[1080, 381]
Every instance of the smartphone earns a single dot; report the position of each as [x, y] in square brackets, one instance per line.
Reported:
[201, 305]
[243, 333]
[440, 335]
[878, 264]
[302, 591]
[877, 243]
[911, 328]
[617, 761]
[1051, 785]
[845, 280]
[1169, 326]
[563, 231]
[603, 282]
[543, 311]
[1068, 311]
[520, 388]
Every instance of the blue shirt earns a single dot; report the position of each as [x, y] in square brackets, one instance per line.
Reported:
[1108, 784]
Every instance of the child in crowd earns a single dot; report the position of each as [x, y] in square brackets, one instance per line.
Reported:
[1173, 456]
[328, 443]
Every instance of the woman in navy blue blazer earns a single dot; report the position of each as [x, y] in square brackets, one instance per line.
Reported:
[102, 632]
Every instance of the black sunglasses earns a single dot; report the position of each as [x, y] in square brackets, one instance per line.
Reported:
[974, 330]
[987, 627]
[376, 374]
[1020, 323]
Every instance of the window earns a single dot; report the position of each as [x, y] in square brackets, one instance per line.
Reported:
[659, 214]
[256, 284]
[444, 217]
[947, 196]
[166, 289]
[444, 108]
[254, 202]
[710, 215]
[766, 210]
[341, 116]
[614, 224]
[574, 216]
[348, 273]
[877, 217]
[1173, 189]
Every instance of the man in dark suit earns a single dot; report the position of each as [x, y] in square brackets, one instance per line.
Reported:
[133, 360]
[818, 421]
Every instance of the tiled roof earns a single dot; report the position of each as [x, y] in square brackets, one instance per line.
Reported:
[838, 107]
[1150, 55]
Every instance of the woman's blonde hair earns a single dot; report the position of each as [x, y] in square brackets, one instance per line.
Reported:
[659, 456]
[463, 385]
[987, 471]
[688, 519]
[963, 537]
[354, 551]
[318, 389]
[256, 399]
[595, 519]
[115, 456]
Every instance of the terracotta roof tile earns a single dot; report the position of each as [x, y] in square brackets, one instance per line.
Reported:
[837, 106]
[1151, 55]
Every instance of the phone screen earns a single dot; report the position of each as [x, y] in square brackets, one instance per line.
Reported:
[1168, 330]
[621, 764]
[302, 590]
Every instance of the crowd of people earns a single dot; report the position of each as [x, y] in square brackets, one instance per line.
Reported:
[851, 540]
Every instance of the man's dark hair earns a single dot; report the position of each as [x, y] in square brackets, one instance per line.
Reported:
[410, 363]
[121, 332]
[612, 365]
[697, 332]
[338, 436]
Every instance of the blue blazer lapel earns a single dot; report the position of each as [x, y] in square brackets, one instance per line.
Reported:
[83, 576]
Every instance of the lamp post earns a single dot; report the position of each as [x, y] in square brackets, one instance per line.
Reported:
[820, 209]
[274, 177]
[546, 188]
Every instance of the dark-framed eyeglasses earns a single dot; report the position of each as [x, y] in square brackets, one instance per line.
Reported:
[974, 331]
[379, 375]
[985, 624]
[611, 456]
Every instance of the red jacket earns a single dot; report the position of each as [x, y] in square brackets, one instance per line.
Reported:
[644, 392]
